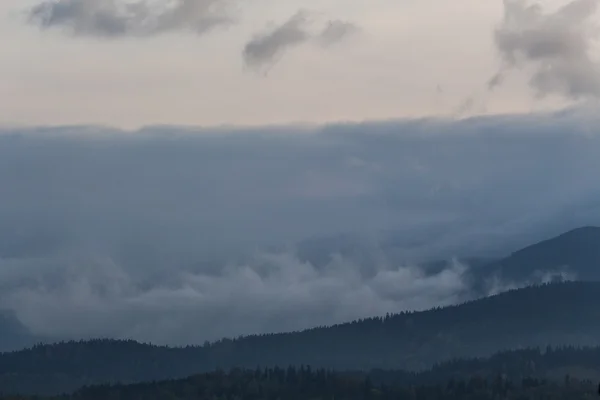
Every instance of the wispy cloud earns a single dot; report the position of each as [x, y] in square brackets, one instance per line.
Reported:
[267, 48]
[112, 19]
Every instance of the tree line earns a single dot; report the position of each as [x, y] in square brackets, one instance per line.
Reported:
[548, 364]
[304, 383]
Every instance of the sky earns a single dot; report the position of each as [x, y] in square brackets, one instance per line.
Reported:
[233, 64]
[179, 172]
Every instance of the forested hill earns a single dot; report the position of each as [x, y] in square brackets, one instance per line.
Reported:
[521, 375]
[555, 314]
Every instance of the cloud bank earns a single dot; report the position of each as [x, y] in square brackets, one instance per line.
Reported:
[555, 48]
[177, 236]
[272, 292]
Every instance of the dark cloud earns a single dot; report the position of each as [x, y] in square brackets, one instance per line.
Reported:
[113, 18]
[555, 47]
[177, 236]
[267, 48]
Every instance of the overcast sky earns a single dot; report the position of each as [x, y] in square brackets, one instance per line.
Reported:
[108, 233]
[253, 61]
[208, 232]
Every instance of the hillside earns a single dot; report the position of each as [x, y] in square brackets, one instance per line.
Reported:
[549, 314]
[576, 253]
[554, 314]
[526, 374]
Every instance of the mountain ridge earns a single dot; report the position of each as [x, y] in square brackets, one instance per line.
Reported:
[553, 314]
[573, 255]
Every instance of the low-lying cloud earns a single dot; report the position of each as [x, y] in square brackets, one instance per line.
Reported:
[495, 284]
[178, 236]
[272, 292]
[116, 18]
[555, 48]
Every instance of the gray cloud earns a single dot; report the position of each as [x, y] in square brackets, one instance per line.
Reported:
[336, 31]
[113, 18]
[267, 48]
[555, 47]
[204, 233]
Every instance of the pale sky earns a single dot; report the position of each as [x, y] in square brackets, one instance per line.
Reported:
[410, 58]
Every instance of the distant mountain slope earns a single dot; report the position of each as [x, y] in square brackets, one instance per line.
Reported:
[530, 366]
[575, 254]
[13, 335]
[555, 314]
[549, 314]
